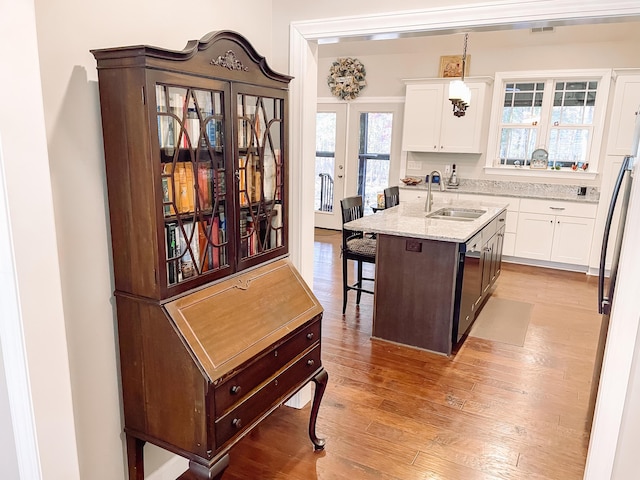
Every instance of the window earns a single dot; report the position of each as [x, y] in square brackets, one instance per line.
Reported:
[374, 154]
[561, 112]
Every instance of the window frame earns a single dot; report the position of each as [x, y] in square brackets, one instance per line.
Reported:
[549, 78]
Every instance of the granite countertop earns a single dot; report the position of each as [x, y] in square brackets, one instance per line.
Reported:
[545, 191]
[409, 220]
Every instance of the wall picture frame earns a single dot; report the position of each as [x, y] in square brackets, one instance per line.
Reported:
[451, 66]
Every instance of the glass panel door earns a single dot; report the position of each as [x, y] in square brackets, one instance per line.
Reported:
[331, 137]
[260, 174]
[192, 158]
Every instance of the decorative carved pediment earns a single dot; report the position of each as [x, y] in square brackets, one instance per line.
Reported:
[230, 61]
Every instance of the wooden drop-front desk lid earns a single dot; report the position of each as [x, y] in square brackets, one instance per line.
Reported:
[228, 323]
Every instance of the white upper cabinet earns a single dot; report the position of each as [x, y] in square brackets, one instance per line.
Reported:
[429, 123]
[626, 103]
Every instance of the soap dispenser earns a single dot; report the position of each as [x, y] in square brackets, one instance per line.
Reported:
[453, 179]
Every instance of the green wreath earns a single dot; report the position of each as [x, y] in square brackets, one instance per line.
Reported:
[346, 78]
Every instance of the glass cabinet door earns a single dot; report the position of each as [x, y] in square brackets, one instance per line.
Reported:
[260, 174]
[192, 157]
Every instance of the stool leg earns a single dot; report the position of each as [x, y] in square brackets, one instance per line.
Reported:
[344, 284]
[359, 282]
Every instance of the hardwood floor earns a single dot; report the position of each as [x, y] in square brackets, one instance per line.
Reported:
[491, 411]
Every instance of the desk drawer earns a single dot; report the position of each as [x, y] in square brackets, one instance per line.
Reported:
[238, 386]
[268, 396]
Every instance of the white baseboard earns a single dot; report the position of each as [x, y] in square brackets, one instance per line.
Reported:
[170, 470]
[300, 399]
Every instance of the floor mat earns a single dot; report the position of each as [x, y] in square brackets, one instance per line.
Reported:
[503, 320]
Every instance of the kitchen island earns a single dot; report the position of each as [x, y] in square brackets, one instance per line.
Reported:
[433, 273]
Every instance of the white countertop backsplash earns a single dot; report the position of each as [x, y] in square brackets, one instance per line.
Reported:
[546, 191]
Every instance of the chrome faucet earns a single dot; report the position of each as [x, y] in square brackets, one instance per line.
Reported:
[429, 202]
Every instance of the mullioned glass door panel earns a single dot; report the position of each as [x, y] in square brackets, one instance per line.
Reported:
[192, 156]
[260, 174]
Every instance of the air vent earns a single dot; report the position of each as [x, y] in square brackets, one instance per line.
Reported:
[542, 30]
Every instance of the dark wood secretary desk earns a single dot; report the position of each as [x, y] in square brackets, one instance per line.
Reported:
[216, 328]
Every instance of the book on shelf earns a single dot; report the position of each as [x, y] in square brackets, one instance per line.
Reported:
[279, 172]
[208, 244]
[222, 236]
[205, 185]
[192, 127]
[242, 128]
[185, 184]
[269, 176]
[252, 236]
[213, 132]
[168, 199]
[257, 186]
[244, 238]
[172, 252]
[258, 127]
[244, 190]
[214, 247]
[163, 120]
[222, 187]
[177, 106]
[189, 250]
[276, 226]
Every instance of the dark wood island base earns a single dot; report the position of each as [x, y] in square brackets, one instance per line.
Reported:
[429, 292]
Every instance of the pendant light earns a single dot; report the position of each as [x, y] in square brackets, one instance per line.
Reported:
[459, 92]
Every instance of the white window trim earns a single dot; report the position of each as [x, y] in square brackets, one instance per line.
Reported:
[603, 76]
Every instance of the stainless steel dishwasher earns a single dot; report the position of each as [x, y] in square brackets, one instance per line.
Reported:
[468, 285]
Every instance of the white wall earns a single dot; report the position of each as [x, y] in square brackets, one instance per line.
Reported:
[33, 320]
[68, 265]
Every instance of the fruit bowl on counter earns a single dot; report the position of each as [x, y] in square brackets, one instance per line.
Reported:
[411, 180]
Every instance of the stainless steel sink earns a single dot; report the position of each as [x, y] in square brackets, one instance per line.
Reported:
[459, 214]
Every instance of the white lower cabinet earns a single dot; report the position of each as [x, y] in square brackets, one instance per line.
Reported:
[535, 236]
[563, 236]
[572, 240]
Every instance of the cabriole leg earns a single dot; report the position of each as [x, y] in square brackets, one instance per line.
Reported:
[320, 380]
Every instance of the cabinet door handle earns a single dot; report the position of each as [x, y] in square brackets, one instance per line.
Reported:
[237, 423]
[235, 389]
[311, 362]
[309, 335]
[556, 208]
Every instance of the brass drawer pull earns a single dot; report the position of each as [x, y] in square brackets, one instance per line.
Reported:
[237, 422]
[310, 362]
[309, 335]
[235, 389]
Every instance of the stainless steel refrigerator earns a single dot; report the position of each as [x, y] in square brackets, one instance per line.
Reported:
[619, 203]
